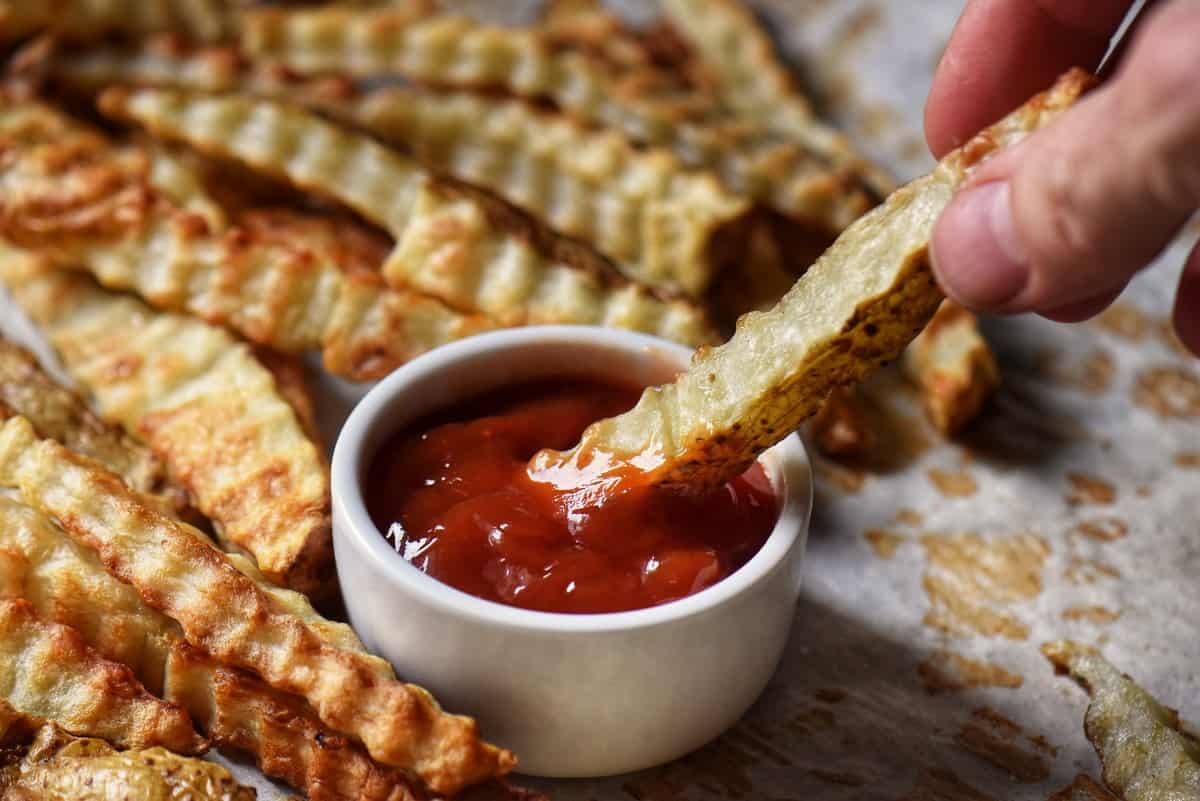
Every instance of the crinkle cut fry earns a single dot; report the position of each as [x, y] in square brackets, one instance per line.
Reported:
[203, 402]
[57, 412]
[954, 368]
[788, 176]
[48, 671]
[855, 309]
[1145, 753]
[757, 86]
[226, 614]
[66, 583]
[57, 766]
[446, 244]
[271, 292]
[660, 223]
[238, 712]
[88, 20]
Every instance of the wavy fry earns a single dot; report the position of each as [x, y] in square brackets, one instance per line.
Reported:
[840, 428]
[855, 309]
[89, 205]
[446, 244]
[291, 382]
[66, 583]
[789, 176]
[59, 767]
[207, 407]
[1144, 751]
[225, 613]
[756, 85]
[660, 224]
[165, 61]
[741, 56]
[47, 670]
[954, 367]
[87, 20]
[240, 713]
[59, 413]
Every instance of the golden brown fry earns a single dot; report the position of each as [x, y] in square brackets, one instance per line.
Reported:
[66, 583]
[87, 20]
[207, 407]
[840, 428]
[752, 81]
[88, 205]
[1144, 751]
[165, 61]
[228, 615]
[661, 224]
[59, 413]
[47, 670]
[954, 367]
[750, 78]
[240, 713]
[446, 244]
[291, 383]
[855, 309]
[787, 175]
[57, 766]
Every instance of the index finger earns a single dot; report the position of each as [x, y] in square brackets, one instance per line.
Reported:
[1003, 51]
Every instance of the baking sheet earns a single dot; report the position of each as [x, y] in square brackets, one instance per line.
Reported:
[913, 670]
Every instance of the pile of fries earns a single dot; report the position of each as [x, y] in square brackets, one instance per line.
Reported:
[195, 192]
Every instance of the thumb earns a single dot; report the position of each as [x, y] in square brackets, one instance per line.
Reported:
[1066, 218]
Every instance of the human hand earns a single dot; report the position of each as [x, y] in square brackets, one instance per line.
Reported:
[1061, 223]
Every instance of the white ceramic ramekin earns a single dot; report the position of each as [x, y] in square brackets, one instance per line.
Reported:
[571, 695]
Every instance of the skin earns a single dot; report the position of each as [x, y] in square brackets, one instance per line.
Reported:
[1060, 224]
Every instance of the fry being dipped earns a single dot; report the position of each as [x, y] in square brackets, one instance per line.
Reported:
[854, 310]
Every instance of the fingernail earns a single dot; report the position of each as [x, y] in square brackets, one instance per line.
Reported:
[977, 256]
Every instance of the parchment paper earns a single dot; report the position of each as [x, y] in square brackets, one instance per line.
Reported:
[1069, 511]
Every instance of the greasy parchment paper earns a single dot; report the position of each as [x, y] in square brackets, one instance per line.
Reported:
[935, 572]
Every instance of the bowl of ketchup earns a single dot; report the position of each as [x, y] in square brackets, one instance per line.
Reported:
[592, 632]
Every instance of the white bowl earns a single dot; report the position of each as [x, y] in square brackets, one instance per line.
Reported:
[571, 695]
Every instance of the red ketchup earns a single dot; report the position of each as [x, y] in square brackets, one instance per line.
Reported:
[453, 496]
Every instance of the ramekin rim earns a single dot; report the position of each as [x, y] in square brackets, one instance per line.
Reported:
[787, 463]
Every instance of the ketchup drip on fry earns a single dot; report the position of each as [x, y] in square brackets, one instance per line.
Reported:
[453, 496]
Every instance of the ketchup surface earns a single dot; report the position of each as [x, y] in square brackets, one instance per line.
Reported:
[454, 498]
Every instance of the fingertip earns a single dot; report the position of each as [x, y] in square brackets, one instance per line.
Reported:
[974, 250]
